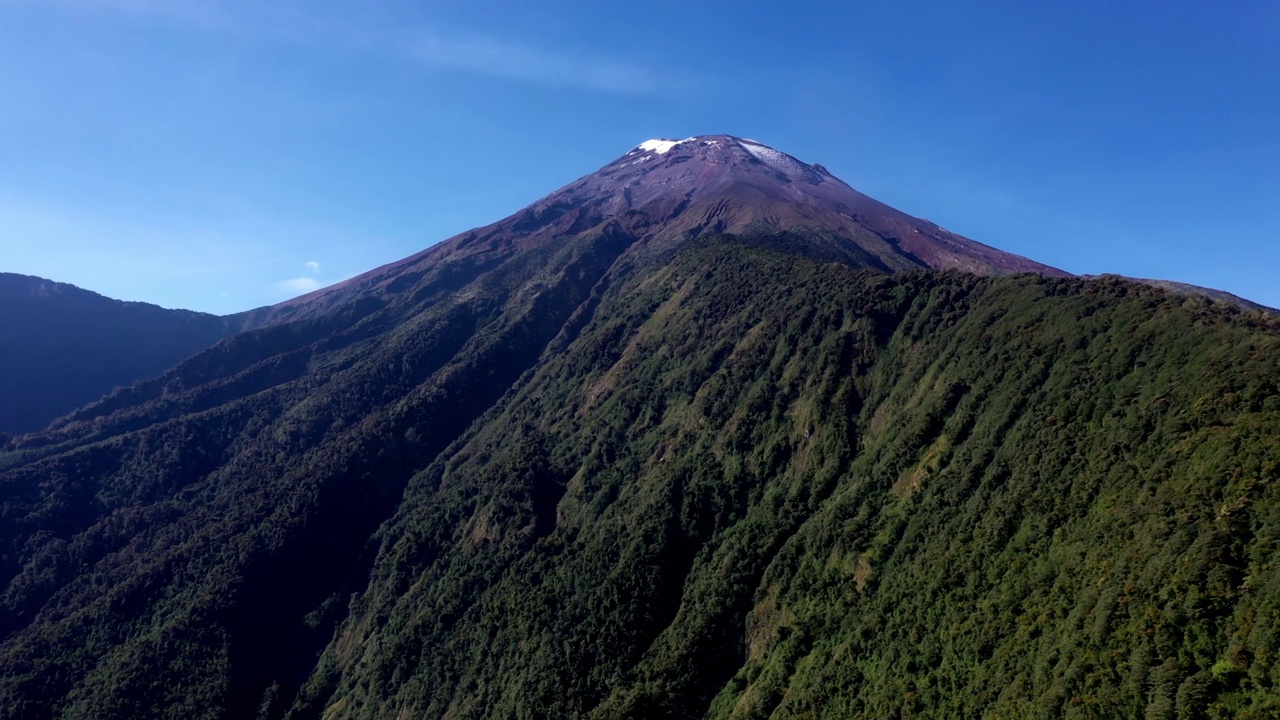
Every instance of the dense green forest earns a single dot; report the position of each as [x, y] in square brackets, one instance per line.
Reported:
[720, 481]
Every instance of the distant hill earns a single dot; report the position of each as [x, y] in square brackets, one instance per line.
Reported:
[703, 434]
[62, 347]
[1182, 288]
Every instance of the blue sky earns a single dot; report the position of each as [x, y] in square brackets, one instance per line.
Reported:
[222, 155]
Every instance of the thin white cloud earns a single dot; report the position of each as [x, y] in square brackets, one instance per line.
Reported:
[313, 266]
[515, 61]
[458, 51]
[210, 14]
[298, 285]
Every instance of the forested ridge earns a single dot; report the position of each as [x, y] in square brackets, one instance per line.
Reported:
[721, 481]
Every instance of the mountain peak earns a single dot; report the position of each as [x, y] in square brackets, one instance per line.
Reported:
[741, 154]
[722, 146]
[668, 191]
[728, 184]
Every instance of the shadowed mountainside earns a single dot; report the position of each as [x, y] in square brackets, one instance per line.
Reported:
[61, 347]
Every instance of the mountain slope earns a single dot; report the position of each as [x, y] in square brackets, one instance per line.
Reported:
[61, 347]
[226, 500]
[761, 487]
[598, 461]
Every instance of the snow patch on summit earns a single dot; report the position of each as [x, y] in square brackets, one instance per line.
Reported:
[661, 147]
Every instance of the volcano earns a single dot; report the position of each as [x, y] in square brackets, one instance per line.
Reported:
[704, 433]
